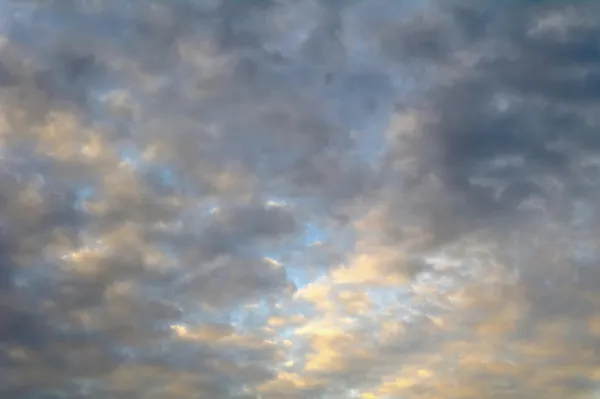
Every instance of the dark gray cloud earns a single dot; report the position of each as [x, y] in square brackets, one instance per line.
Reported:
[244, 199]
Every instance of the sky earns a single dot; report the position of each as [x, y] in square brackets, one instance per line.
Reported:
[299, 199]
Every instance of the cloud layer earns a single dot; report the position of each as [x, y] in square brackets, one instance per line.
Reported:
[299, 199]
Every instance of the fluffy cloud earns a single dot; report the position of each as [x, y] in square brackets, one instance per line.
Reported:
[278, 199]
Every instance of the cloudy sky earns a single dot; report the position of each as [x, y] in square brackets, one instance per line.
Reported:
[299, 199]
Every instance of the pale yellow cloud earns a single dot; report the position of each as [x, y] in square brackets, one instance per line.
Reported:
[371, 268]
[290, 384]
[203, 333]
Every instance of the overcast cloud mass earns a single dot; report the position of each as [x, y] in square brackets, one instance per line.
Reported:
[244, 199]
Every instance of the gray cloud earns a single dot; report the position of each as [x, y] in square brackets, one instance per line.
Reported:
[229, 199]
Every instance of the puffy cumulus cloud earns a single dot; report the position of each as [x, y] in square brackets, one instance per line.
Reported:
[279, 199]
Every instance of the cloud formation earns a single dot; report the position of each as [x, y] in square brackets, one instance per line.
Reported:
[278, 199]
